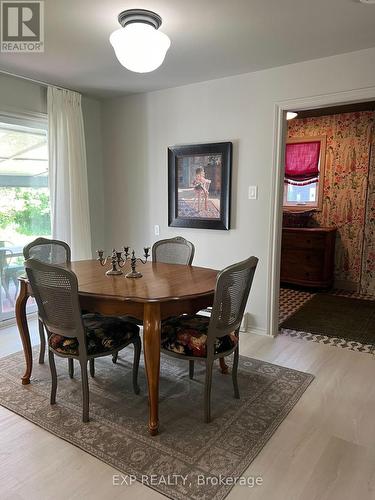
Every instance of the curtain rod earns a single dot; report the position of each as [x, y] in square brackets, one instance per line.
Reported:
[33, 80]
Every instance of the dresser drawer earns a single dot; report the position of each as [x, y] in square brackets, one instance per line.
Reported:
[303, 240]
[307, 256]
[302, 264]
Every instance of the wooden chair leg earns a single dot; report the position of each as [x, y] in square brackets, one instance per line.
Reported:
[92, 367]
[207, 392]
[114, 357]
[191, 369]
[71, 367]
[137, 354]
[223, 366]
[52, 366]
[42, 342]
[234, 374]
[85, 391]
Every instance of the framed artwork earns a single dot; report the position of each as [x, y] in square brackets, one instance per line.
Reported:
[199, 185]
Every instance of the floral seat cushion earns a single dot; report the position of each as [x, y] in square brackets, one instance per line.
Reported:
[104, 333]
[188, 335]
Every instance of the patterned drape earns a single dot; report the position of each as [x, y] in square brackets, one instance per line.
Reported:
[368, 260]
[348, 136]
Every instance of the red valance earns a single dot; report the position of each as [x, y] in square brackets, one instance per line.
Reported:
[302, 162]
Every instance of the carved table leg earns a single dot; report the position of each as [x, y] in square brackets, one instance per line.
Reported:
[151, 347]
[24, 330]
[223, 366]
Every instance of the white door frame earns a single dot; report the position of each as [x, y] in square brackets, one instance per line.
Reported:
[277, 187]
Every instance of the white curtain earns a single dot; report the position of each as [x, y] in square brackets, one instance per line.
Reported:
[70, 215]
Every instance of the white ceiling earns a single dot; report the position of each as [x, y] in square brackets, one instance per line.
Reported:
[210, 39]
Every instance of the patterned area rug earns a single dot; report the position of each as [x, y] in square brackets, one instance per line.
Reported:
[117, 434]
[292, 300]
[189, 208]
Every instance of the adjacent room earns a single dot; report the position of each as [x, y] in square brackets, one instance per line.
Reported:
[328, 239]
[187, 249]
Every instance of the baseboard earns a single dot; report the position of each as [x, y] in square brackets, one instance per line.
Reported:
[255, 330]
[247, 327]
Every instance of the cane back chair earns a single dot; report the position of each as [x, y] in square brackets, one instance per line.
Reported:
[198, 337]
[73, 335]
[50, 252]
[173, 251]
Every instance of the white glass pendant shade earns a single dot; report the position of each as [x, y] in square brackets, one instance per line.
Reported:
[140, 47]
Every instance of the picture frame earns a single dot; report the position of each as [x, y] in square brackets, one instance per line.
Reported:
[199, 185]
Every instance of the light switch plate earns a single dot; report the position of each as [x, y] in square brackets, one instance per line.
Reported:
[253, 192]
[157, 230]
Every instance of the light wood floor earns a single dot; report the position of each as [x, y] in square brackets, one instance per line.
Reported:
[324, 449]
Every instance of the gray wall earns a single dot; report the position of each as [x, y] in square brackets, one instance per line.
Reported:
[137, 131]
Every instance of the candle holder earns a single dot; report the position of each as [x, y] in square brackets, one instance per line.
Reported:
[118, 261]
[133, 262]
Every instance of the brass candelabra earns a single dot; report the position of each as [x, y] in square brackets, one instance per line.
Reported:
[119, 259]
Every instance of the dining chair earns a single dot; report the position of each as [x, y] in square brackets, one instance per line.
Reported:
[178, 250]
[173, 251]
[74, 335]
[170, 251]
[50, 252]
[195, 337]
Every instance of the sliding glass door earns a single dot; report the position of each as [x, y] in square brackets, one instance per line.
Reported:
[24, 200]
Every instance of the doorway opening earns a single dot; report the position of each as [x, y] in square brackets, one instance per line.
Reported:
[327, 250]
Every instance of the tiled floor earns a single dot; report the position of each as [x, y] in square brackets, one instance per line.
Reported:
[292, 299]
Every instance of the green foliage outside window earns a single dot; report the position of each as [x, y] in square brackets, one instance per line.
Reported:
[26, 209]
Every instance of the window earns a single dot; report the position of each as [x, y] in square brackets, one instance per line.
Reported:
[304, 173]
[24, 199]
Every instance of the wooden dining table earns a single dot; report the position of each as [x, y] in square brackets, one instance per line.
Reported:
[164, 290]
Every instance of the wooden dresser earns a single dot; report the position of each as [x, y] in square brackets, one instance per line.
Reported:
[307, 256]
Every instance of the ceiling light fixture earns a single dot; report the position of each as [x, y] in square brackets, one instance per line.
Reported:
[368, 2]
[138, 45]
[290, 115]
